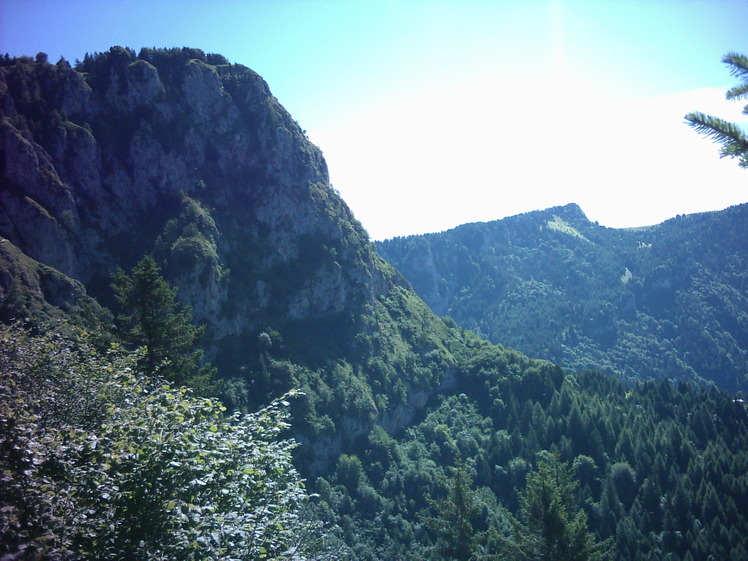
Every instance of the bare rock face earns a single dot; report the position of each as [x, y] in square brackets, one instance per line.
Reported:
[36, 207]
[97, 160]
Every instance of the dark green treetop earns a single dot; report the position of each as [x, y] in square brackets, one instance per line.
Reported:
[153, 319]
[457, 539]
[549, 530]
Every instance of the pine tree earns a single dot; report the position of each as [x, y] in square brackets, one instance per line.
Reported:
[732, 138]
[457, 538]
[549, 530]
[153, 319]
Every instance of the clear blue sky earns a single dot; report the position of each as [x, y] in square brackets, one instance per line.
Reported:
[436, 113]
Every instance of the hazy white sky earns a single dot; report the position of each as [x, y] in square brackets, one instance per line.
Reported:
[435, 113]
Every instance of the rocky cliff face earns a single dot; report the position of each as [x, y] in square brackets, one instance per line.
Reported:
[99, 162]
[190, 158]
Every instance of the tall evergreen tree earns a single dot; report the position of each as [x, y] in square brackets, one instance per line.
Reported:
[153, 319]
[732, 138]
[549, 530]
[457, 538]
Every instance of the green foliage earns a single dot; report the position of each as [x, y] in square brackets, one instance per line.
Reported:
[665, 301]
[176, 57]
[655, 470]
[38, 100]
[732, 138]
[153, 319]
[115, 56]
[189, 243]
[548, 529]
[456, 537]
[100, 463]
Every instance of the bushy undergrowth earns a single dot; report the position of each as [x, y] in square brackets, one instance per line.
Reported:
[99, 461]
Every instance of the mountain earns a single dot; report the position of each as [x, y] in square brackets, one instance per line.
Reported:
[184, 156]
[181, 155]
[664, 301]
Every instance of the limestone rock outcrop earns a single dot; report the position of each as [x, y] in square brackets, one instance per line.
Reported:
[189, 158]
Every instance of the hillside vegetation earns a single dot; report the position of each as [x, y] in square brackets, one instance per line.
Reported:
[667, 301]
[161, 213]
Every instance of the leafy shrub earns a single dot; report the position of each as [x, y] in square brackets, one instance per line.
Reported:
[100, 462]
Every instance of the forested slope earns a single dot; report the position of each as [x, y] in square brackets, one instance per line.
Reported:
[664, 301]
[132, 173]
[659, 468]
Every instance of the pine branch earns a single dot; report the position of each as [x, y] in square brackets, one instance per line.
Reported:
[737, 92]
[717, 129]
[738, 64]
[732, 138]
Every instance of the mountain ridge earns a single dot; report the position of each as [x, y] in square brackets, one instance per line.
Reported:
[556, 285]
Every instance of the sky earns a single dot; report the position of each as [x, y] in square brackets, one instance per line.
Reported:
[432, 114]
